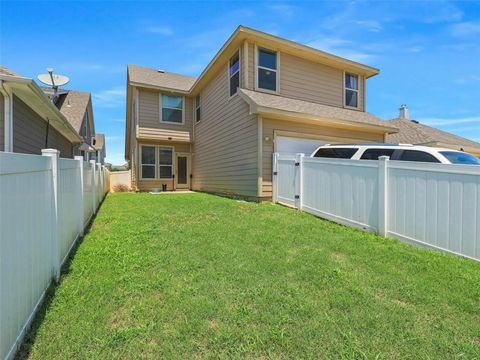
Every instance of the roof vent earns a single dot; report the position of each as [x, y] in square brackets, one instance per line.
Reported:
[160, 71]
[403, 112]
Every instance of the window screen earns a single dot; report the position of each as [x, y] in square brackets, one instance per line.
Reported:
[234, 73]
[172, 109]
[267, 70]
[148, 162]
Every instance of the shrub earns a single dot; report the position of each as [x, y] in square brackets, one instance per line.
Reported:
[121, 188]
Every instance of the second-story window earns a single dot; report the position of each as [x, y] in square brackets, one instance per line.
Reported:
[198, 113]
[234, 73]
[351, 90]
[172, 109]
[267, 70]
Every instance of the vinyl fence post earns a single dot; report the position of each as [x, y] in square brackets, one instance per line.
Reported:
[299, 181]
[275, 178]
[80, 196]
[94, 186]
[54, 155]
[383, 195]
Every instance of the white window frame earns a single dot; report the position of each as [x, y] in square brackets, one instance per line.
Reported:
[161, 108]
[238, 71]
[158, 162]
[195, 107]
[154, 165]
[277, 71]
[345, 73]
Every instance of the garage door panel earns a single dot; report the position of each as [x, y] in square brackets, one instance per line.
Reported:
[287, 145]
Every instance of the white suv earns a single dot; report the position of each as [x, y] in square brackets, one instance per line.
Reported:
[404, 152]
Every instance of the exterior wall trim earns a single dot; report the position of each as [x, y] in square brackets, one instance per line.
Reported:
[260, 156]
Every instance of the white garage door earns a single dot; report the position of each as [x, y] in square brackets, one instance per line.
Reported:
[287, 145]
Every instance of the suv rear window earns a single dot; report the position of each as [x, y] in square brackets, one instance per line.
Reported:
[374, 154]
[416, 155]
[336, 153]
[456, 157]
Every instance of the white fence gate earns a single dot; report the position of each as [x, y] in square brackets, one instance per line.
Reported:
[433, 205]
[45, 204]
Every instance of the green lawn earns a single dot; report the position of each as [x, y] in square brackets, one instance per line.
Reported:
[198, 276]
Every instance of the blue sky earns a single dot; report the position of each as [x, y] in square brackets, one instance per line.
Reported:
[428, 52]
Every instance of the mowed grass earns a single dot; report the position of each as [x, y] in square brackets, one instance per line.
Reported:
[199, 276]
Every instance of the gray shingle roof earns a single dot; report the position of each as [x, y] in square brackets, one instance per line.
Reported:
[411, 132]
[73, 106]
[318, 110]
[5, 71]
[147, 76]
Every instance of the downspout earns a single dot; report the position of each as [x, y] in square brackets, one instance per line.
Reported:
[8, 117]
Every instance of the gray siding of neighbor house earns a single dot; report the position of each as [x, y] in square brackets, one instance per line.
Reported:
[30, 130]
[2, 123]
[225, 155]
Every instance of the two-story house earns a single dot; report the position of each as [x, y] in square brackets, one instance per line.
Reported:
[260, 94]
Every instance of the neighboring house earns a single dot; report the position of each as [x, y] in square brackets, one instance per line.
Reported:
[77, 108]
[259, 94]
[413, 132]
[29, 122]
[99, 146]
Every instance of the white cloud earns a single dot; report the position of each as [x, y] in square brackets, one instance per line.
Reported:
[110, 98]
[447, 122]
[467, 28]
[161, 30]
[370, 25]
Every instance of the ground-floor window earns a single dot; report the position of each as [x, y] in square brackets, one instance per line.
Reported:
[148, 162]
[156, 162]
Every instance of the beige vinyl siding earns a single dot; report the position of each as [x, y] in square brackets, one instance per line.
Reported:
[307, 80]
[149, 118]
[30, 130]
[148, 185]
[270, 126]
[2, 123]
[225, 151]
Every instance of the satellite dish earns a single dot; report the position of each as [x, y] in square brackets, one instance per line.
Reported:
[53, 80]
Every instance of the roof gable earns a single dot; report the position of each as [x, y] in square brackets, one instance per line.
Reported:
[146, 76]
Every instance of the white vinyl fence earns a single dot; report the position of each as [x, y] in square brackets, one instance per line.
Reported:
[429, 204]
[45, 204]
